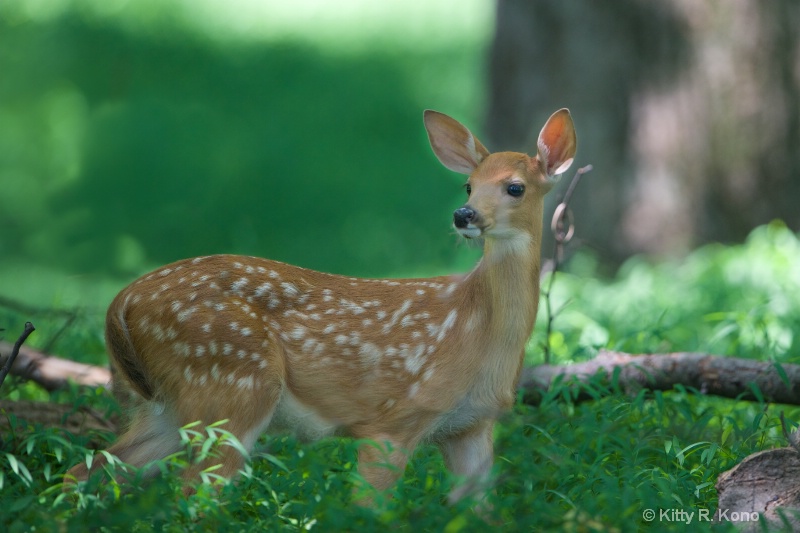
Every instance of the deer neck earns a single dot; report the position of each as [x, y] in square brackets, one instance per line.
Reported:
[508, 277]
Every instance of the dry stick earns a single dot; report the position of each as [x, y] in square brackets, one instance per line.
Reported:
[561, 236]
[17, 345]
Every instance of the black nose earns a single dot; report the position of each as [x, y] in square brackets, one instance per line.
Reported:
[463, 216]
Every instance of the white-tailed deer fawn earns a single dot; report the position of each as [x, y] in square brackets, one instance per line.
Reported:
[397, 361]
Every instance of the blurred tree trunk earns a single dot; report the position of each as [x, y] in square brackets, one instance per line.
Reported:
[689, 112]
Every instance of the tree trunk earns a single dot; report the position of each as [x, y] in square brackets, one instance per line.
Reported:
[690, 114]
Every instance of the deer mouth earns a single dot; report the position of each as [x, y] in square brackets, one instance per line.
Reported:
[470, 232]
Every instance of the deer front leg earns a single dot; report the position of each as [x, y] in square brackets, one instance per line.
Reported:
[381, 462]
[469, 456]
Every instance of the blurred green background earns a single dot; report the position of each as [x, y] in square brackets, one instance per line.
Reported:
[136, 133]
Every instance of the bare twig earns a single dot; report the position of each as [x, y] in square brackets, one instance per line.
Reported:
[51, 342]
[17, 345]
[563, 230]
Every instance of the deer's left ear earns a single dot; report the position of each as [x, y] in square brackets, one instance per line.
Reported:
[557, 143]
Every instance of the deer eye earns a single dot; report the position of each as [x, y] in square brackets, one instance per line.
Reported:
[516, 189]
[468, 188]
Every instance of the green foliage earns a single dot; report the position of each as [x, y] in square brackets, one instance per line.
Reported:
[740, 300]
[126, 146]
[593, 466]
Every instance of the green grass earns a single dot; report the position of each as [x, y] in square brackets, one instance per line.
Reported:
[593, 466]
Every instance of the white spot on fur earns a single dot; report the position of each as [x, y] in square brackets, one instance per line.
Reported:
[396, 316]
[157, 331]
[207, 327]
[245, 383]
[298, 333]
[448, 323]
[239, 284]
[186, 314]
[290, 290]
[370, 353]
[246, 332]
[415, 359]
[351, 306]
[309, 345]
[181, 348]
[227, 348]
[262, 289]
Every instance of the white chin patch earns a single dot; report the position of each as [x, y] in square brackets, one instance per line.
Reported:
[470, 232]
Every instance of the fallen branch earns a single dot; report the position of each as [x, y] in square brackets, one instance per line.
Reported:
[728, 377]
[52, 372]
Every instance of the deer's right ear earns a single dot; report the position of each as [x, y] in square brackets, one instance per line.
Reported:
[453, 144]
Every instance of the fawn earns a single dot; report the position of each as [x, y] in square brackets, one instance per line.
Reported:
[265, 345]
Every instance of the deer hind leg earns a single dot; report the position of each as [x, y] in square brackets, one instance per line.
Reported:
[247, 418]
[154, 430]
[151, 435]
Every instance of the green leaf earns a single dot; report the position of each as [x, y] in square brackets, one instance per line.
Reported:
[782, 374]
